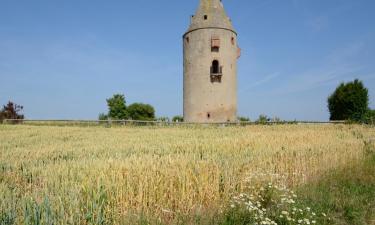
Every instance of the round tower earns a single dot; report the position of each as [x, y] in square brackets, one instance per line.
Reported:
[210, 66]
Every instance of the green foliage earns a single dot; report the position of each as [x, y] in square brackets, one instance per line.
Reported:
[38, 213]
[349, 101]
[263, 119]
[119, 111]
[139, 111]
[163, 119]
[369, 117]
[103, 116]
[271, 204]
[178, 119]
[243, 119]
[11, 111]
[117, 107]
[347, 195]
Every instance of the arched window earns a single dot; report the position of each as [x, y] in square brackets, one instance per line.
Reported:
[215, 67]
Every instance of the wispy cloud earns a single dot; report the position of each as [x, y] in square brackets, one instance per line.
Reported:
[336, 67]
[320, 20]
[260, 82]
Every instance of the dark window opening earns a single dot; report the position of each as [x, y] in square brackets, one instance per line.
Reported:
[205, 17]
[208, 115]
[187, 39]
[214, 49]
[232, 40]
[215, 67]
[216, 72]
[215, 44]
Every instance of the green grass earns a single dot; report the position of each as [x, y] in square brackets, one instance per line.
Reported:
[347, 195]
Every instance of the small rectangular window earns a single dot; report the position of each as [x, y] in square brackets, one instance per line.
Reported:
[215, 44]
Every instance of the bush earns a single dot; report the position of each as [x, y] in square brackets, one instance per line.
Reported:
[243, 119]
[178, 119]
[349, 102]
[103, 116]
[263, 119]
[163, 119]
[369, 117]
[139, 111]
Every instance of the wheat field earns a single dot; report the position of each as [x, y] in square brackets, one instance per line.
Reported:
[79, 175]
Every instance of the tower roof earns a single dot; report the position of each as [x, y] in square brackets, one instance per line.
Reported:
[210, 14]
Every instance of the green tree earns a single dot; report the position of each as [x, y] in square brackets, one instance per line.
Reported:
[349, 101]
[117, 107]
[139, 111]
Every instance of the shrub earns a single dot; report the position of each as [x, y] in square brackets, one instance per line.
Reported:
[263, 119]
[103, 116]
[243, 119]
[178, 119]
[139, 111]
[163, 119]
[369, 117]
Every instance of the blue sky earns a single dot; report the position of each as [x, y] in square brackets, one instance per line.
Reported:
[62, 59]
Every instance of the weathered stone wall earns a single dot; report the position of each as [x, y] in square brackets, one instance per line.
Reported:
[206, 101]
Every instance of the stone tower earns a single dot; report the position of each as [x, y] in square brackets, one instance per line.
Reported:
[210, 66]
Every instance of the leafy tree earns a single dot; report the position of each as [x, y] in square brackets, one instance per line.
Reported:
[139, 111]
[349, 101]
[11, 111]
[178, 119]
[117, 107]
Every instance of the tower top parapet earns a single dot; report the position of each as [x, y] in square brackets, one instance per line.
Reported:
[210, 14]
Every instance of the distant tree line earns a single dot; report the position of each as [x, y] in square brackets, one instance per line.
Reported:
[349, 102]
